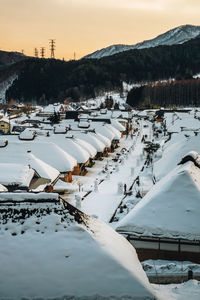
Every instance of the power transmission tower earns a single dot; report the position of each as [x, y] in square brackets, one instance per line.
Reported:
[52, 48]
[42, 52]
[36, 52]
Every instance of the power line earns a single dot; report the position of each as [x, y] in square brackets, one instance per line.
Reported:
[42, 52]
[52, 47]
[36, 52]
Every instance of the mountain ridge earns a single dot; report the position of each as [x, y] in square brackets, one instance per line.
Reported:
[177, 35]
[10, 57]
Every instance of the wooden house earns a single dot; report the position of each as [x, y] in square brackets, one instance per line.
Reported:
[4, 126]
[165, 224]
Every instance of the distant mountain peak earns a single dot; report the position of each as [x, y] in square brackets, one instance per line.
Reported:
[177, 35]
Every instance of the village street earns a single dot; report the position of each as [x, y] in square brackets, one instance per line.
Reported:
[103, 199]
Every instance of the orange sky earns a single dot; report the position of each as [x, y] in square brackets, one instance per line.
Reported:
[84, 26]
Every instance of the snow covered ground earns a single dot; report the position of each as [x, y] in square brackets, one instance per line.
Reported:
[102, 193]
[184, 291]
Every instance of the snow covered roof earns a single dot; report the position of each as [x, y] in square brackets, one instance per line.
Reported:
[60, 129]
[27, 134]
[72, 148]
[3, 188]
[174, 151]
[103, 130]
[62, 186]
[85, 261]
[52, 154]
[91, 139]
[56, 107]
[15, 174]
[175, 121]
[142, 113]
[170, 209]
[83, 124]
[21, 197]
[115, 131]
[86, 146]
[116, 124]
[102, 138]
[4, 119]
[16, 152]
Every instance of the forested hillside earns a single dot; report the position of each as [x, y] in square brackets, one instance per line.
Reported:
[167, 94]
[49, 80]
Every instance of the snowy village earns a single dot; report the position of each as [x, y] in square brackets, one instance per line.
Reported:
[99, 150]
[98, 203]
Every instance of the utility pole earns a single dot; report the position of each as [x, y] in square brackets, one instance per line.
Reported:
[22, 51]
[36, 52]
[74, 55]
[42, 52]
[52, 47]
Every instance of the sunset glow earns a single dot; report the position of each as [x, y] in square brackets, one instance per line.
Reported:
[84, 26]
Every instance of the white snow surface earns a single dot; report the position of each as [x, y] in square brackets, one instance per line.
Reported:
[86, 146]
[16, 152]
[170, 209]
[71, 147]
[45, 150]
[28, 196]
[184, 291]
[62, 186]
[102, 138]
[117, 125]
[89, 138]
[27, 134]
[15, 174]
[83, 262]
[169, 267]
[3, 188]
[174, 150]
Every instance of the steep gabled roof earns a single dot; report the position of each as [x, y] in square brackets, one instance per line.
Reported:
[63, 258]
[174, 151]
[170, 209]
[15, 154]
[15, 174]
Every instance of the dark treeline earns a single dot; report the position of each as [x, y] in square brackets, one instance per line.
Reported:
[49, 80]
[166, 94]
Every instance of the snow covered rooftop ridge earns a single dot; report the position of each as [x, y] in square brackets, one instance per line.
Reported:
[174, 151]
[86, 259]
[51, 153]
[170, 209]
[15, 174]
[115, 123]
[16, 153]
[3, 188]
[87, 146]
[192, 156]
[91, 139]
